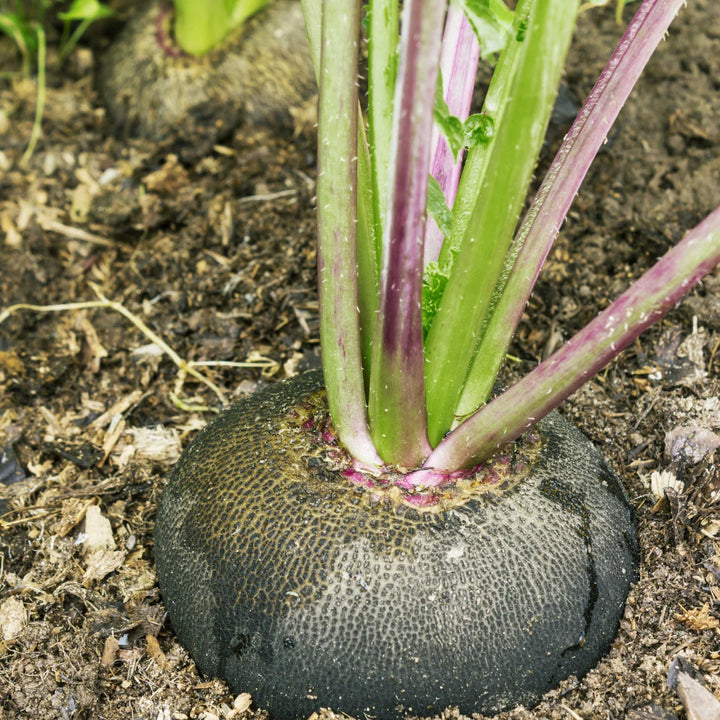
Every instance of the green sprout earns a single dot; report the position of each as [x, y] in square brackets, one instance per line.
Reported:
[201, 26]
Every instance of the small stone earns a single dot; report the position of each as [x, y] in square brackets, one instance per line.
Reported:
[98, 531]
[242, 702]
[650, 712]
[110, 651]
[700, 703]
[690, 443]
[13, 618]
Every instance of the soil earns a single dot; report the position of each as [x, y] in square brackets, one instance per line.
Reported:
[214, 253]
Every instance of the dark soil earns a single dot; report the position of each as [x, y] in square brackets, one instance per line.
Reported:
[214, 252]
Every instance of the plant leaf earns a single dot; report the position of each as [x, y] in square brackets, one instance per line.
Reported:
[86, 10]
[478, 129]
[450, 126]
[437, 207]
[434, 281]
[492, 22]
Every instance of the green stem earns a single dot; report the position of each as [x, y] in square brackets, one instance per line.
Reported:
[382, 75]
[337, 239]
[557, 192]
[67, 45]
[17, 30]
[529, 75]
[369, 247]
[243, 9]
[40, 102]
[312, 12]
[555, 379]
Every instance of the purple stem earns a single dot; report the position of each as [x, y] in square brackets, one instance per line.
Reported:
[549, 208]
[553, 380]
[458, 64]
[162, 34]
[397, 384]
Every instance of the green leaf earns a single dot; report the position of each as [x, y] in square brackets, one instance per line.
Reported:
[434, 281]
[365, 19]
[478, 129]
[86, 10]
[450, 126]
[13, 26]
[22, 34]
[437, 207]
[492, 22]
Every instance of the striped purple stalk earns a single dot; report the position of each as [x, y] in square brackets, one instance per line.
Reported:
[398, 418]
[557, 192]
[556, 378]
[458, 67]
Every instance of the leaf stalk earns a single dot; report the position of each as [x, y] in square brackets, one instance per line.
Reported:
[337, 236]
[397, 392]
[556, 378]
